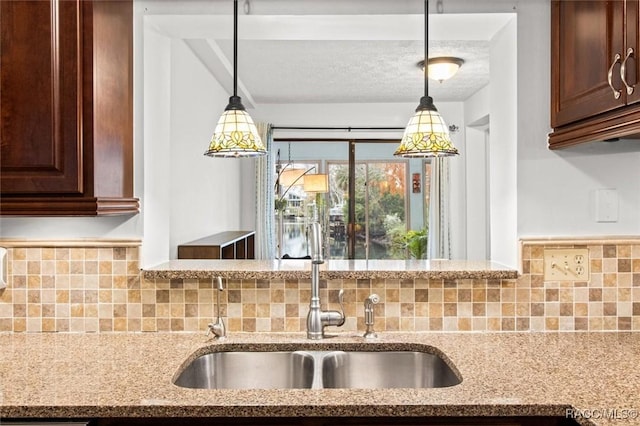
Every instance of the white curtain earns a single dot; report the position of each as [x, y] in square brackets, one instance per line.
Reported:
[439, 210]
[265, 203]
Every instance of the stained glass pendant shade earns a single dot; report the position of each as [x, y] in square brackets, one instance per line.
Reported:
[235, 134]
[427, 134]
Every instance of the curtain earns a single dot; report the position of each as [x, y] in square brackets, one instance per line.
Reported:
[265, 202]
[439, 210]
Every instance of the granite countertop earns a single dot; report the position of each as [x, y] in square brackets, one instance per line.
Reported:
[504, 374]
[331, 269]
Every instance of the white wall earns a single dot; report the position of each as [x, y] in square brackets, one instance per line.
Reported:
[116, 227]
[476, 114]
[503, 146]
[187, 195]
[477, 107]
[453, 114]
[155, 93]
[555, 188]
[204, 191]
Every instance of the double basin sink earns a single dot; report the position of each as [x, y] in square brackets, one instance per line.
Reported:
[317, 370]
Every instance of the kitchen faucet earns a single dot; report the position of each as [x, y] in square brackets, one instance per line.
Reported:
[218, 328]
[317, 319]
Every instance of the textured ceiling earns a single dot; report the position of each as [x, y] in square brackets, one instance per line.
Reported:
[308, 51]
[354, 71]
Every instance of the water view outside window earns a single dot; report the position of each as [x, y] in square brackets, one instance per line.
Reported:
[380, 211]
[295, 209]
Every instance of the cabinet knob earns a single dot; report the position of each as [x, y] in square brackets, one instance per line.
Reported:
[616, 93]
[623, 71]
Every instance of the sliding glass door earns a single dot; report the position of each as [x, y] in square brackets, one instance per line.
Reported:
[380, 219]
[295, 209]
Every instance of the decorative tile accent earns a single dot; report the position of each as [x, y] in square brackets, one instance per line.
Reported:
[100, 289]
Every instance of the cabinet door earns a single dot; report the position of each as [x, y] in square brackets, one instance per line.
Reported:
[631, 59]
[40, 94]
[587, 42]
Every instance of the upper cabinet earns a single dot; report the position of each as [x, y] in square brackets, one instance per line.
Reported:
[66, 100]
[594, 71]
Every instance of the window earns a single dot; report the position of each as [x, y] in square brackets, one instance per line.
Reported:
[385, 206]
[295, 209]
[380, 209]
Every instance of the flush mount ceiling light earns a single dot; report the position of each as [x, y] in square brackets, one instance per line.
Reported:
[235, 134]
[426, 135]
[442, 68]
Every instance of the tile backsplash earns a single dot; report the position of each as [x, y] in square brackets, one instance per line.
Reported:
[71, 288]
[97, 287]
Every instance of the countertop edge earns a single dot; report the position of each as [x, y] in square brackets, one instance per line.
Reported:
[329, 275]
[330, 270]
[284, 411]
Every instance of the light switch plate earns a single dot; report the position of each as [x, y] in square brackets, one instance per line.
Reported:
[606, 205]
[566, 264]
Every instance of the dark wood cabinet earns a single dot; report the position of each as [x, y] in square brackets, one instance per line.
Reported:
[594, 71]
[66, 101]
[585, 41]
[225, 245]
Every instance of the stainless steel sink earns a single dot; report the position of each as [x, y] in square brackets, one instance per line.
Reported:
[249, 370]
[397, 369]
[317, 369]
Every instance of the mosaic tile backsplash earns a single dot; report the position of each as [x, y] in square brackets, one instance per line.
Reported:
[100, 289]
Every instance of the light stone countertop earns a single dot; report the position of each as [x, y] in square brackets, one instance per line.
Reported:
[331, 269]
[504, 374]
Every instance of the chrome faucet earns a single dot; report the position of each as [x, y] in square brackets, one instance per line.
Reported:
[317, 319]
[369, 316]
[218, 328]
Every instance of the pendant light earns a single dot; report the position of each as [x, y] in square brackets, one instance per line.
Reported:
[427, 134]
[235, 134]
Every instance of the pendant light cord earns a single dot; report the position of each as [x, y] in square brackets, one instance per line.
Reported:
[235, 47]
[426, 48]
